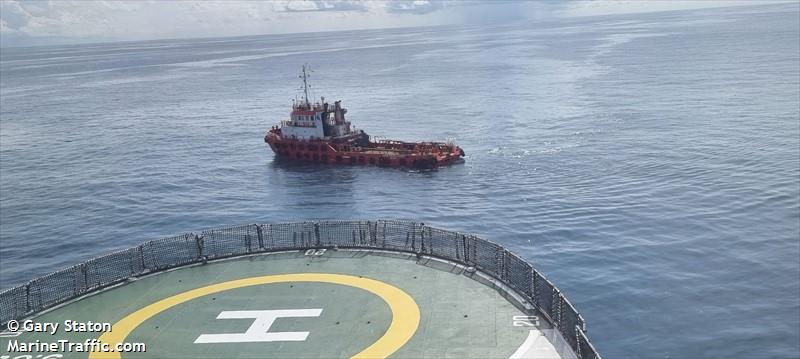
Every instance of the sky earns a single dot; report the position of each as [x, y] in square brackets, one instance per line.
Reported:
[38, 22]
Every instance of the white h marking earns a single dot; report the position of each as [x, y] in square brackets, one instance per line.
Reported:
[259, 330]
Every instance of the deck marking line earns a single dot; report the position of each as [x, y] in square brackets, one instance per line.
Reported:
[259, 329]
[405, 312]
[527, 345]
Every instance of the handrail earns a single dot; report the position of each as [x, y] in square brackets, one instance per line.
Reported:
[157, 255]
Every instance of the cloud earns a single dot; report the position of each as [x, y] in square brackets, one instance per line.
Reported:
[30, 22]
[612, 7]
[13, 16]
[416, 6]
[321, 5]
[23, 22]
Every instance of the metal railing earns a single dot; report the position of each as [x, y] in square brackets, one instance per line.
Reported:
[405, 236]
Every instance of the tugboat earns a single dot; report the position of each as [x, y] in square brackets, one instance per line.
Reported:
[318, 132]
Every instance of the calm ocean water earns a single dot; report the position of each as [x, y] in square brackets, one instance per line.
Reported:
[648, 164]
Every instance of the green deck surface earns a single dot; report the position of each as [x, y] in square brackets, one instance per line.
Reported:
[459, 316]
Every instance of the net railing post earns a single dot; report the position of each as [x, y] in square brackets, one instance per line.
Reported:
[248, 242]
[131, 262]
[141, 257]
[505, 265]
[370, 235]
[198, 240]
[421, 239]
[269, 236]
[500, 257]
[534, 287]
[28, 306]
[260, 233]
[561, 310]
[465, 248]
[85, 275]
[413, 234]
[316, 234]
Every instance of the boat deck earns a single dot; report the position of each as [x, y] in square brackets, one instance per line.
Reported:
[331, 304]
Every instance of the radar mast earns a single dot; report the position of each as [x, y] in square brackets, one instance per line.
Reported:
[305, 76]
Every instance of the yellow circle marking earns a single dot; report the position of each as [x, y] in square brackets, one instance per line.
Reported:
[405, 313]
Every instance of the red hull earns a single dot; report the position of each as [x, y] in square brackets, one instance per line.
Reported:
[358, 150]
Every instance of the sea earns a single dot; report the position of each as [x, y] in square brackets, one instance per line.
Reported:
[648, 164]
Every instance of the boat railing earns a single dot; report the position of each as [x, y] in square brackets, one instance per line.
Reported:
[115, 268]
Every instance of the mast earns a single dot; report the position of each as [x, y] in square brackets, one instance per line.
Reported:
[305, 77]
